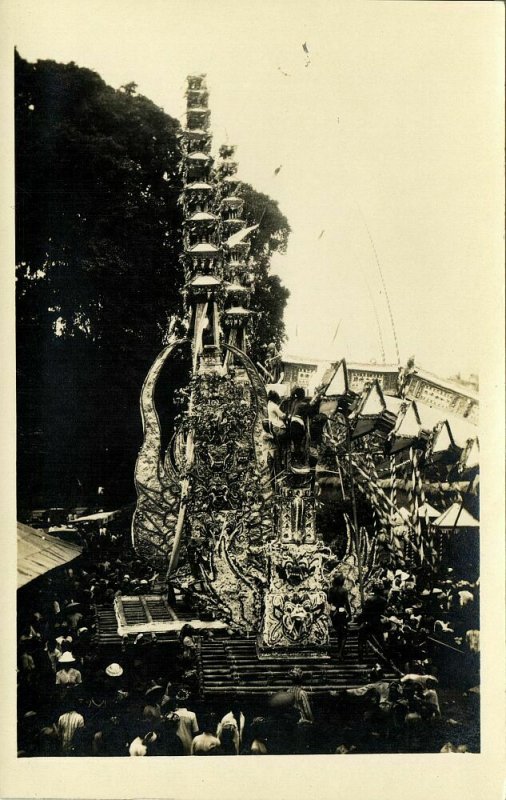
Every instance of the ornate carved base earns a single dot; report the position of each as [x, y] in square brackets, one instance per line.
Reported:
[295, 620]
[290, 654]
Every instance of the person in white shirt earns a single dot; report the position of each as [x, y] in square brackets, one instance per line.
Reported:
[277, 419]
[139, 746]
[188, 726]
[66, 728]
[422, 680]
[430, 698]
[233, 719]
[67, 675]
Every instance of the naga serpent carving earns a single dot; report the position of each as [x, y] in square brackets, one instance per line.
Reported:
[158, 487]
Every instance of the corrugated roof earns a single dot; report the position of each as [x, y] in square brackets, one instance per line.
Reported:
[100, 516]
[39, 552]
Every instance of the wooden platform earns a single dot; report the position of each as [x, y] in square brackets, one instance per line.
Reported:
[146, 614]
[229, 665]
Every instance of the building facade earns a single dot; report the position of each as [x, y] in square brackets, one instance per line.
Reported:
[439, 393]
[362, 375]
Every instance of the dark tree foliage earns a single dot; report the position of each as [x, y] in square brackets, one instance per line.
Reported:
[97, 275]
[269, 298]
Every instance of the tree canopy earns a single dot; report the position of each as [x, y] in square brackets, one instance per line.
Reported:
[98, 234]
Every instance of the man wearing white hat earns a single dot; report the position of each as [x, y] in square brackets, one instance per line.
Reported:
[67, 675]
[114, 692]
[114, 671]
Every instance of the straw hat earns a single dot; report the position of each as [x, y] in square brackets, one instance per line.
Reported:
[114, 670]
[66, 658]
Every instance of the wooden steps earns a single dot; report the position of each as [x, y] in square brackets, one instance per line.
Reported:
[230, 664]
[233, 666]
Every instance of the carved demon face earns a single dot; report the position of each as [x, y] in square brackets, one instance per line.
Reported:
[293, 572]
[297, 615]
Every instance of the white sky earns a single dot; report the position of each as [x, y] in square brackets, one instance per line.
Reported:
[395, 124]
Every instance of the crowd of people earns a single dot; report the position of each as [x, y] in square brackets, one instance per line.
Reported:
[76, 698]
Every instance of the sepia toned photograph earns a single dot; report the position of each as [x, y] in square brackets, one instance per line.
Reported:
[249, 354]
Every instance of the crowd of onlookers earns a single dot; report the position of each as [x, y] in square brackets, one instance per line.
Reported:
[78, 698]
[424, 619]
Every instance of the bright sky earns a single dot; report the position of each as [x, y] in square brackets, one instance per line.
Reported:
[390, 141]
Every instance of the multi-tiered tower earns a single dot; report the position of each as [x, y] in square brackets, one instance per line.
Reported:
[204, 510]
[239, 540]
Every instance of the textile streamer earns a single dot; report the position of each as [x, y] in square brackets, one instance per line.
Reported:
[216, 326]
[367, 488]
[375, 518]
[378, 502]
[422, 543]
[232, 339]
[414, 542]
[415, 497]
[200, 321]
[374, 497]
[393, 473]
[425, 544]
[374, 494]
[410, 484]
[385, 507]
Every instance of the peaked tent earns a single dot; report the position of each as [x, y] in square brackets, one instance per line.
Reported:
[426, 511]
[456, 517]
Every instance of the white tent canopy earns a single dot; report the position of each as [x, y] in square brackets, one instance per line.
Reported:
[426, 511]
[456, 517]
